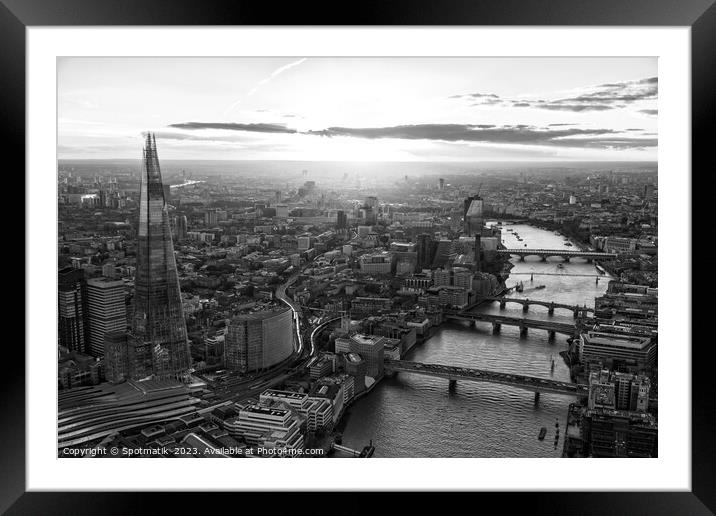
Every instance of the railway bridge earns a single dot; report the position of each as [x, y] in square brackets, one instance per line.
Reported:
[453, 374]
[552, 327]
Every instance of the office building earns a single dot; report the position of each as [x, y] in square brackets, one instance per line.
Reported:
[615, 351]
[266, 426]
[370, 349]
[618, 433]
[106, 311]
[376, 263]
[258, 340]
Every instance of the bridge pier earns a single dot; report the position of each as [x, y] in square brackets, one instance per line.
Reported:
[525, 306]
[589, 260]
[536, 398]
[452, 384]
[523, 331]
[551, 334]
[503, 305]
[544, 258]
[522, 258]
[496, 327]
[576, 313]
[550, 309]
[566, 258]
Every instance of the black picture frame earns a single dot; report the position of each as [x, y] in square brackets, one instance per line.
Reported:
[700, 15]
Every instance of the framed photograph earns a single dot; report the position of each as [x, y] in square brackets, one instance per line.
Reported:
[424, 237]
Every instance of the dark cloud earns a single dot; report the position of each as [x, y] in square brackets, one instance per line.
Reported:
[256, 128]
[478, 133]
[556, 106]
[607, 143]
[597, 98]
[462, 133]
[652, 112]
[559, 125]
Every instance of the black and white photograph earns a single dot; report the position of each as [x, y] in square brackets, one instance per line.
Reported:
[357, 257]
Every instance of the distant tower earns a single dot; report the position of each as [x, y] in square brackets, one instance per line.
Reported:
[442, 184]
[158, 320]
[425, 248]
[472, 215]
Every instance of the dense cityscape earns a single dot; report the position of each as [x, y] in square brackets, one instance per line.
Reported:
[355, 257]
[248, 309]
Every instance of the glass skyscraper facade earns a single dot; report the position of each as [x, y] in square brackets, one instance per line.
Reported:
[158, 319]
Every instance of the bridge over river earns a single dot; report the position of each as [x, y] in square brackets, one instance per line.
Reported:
[551, 306]
[453, 374]
[565, 254]
[552, 327]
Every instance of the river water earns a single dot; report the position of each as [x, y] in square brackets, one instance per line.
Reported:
[416, 416]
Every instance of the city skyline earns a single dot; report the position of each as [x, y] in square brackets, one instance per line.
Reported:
[344, 309]
[356, 109]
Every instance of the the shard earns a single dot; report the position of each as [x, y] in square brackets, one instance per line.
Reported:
[158, 320]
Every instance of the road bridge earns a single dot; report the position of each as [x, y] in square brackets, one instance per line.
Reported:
[551, 306]
[565, 254]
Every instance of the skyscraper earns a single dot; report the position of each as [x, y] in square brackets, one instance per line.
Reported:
[472, 215]
[70, 307]
[158, 319]
[425, 251]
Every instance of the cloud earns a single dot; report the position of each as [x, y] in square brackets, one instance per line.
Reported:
[479, 133]
[256, 128]
[517, 134]
[601, 97]
[556, 106]
[650, 112]
[264, 81]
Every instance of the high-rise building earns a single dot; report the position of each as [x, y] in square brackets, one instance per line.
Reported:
[211, 217]
[181, 227]
[341, 220]
[158, 320]
[258, 340]
[648, 191]
[424, 249]
[472, 215]
[71, 325]
[106, 311]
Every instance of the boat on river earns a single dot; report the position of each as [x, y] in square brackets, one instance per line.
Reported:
[542, 433]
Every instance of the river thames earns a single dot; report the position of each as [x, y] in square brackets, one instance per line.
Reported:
[416, 416]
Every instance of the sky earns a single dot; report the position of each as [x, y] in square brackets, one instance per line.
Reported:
[360, 109]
